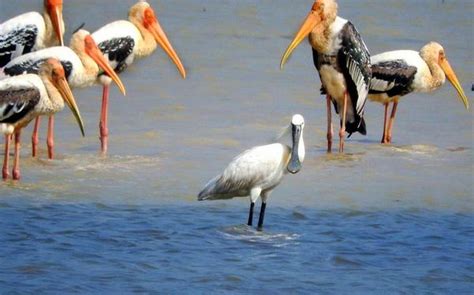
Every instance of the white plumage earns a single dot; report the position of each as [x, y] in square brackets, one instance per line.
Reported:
[257, 171]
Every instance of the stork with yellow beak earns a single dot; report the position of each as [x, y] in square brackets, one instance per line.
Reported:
[343, 62]
[121, 41]
[398, 73]
[32, 31]
[23, 98]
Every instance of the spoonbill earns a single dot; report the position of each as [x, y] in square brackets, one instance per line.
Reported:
[257, 171]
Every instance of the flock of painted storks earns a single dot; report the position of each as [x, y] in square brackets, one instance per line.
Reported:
[37, 72]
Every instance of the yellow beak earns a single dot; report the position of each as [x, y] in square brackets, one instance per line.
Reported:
[66, 93]
[454, 81]
[100, 60]
[56, 16]
[161, 39]
[308, 25]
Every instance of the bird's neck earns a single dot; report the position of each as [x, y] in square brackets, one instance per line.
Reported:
[322, 36]
[437, 77]
[90, 70]
[54, 102]
[50, 38]
[146, 44]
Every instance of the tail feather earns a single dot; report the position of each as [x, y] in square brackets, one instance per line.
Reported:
[356, 126]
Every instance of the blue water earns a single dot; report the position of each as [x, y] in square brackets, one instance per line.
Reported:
[96, 248]
[395, 219]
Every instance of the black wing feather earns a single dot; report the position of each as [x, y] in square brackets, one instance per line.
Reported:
[32, 67]
[17, 103]
[118, 50]
[9, 42]
[396, 77]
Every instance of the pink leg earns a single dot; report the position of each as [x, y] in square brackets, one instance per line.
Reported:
[16, 163]
[392, 119]
[342, 131]
[104, 130]
[329, 117]
[50, 140]
[5, 172]
[385, 131]
[34, 138]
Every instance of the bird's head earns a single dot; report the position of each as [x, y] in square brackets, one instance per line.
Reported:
[84, 45]
[297, 150]
[434, 52]
[142, 14]
[53, 70]
[54, 8]
[323, 13]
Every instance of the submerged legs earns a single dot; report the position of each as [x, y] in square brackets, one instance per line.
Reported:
[50, 139]
[5, 173]
[392, 119]
[342, 131]
[34, 137]
[329, 117]
[16, 163]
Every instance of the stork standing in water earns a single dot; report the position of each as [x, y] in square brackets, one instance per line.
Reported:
[343, 62]
[398, 73]
[31, 31]
[83, 62]
[257, 171]
[22, 98]
[121, 41]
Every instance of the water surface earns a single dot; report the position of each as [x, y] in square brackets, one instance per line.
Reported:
[392, 219]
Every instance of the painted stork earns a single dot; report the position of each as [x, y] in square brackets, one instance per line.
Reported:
[343, 62]
[83, 62]
[22, 98]
[257, 171]
[398, 73]
[121, 41]
[31, 31]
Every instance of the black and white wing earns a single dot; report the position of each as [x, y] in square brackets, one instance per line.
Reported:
[392, 77]
[118, 51]
[19, 36]
[17, 102]
[355, 57]
[24, 65]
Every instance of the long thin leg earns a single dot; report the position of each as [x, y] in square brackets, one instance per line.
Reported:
[34, 137]
[342, 131]
[250, 221]
[104, 131]
[5, 172]
[50, 140]
[329, 117]
[16, 163]
[385, 121]
[262, 216]
[392, 119]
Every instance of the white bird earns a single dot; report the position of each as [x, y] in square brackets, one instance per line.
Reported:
[24, 97]
[257, 171]
[343, 62]
[398, 73]
[31, 31]
[121, 41]
[82, 61]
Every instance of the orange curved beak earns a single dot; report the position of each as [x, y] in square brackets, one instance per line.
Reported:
[155, 29]
[55, 11]
[308, 25]
[66, 93]
[449, 72]
[94, 52]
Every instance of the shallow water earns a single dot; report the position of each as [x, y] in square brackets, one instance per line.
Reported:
[392, 219]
